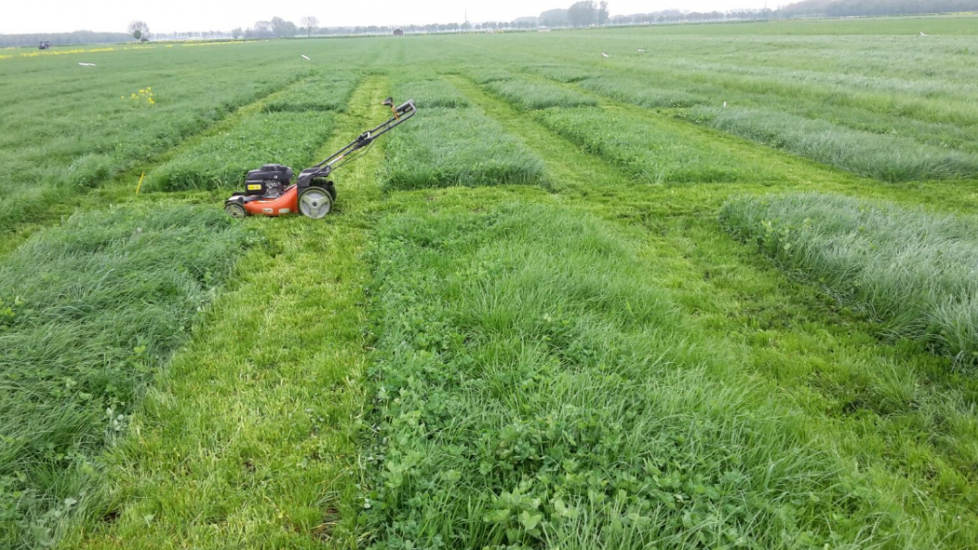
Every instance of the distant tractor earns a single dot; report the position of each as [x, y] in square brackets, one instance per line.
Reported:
[44, 45]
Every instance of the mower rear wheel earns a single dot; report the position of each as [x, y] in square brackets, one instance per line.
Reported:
[235, 210]
[315, 202]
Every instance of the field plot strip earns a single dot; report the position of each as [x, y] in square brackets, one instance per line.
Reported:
[916, 126]
[533, 388]
[829, 365]
[92, 310]
[42, 205]
[248, 440]
[455, 144]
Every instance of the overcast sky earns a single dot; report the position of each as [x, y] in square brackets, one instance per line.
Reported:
[32, 16]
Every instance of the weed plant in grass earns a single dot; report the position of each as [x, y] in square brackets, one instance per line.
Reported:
[532, 390]
[915, 273]
[323, 93]
[650, 149]
[222, 160]
[887, 158]
[443, 147]
[529, 94]
[90, 310]
[640, 91]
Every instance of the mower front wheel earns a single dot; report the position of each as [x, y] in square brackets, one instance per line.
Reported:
[235, 210]
[315, 202]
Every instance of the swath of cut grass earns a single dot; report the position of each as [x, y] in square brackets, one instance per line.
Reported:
[222, 160]
[528, 94]
[914, 273]
[887, 158]
[89, 311]
[431, 92]
[640, 92]
[531, 389]
[325, 93]
[445, 147]
[651, 150]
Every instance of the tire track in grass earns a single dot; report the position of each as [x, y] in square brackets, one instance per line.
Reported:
[248, 439]
[893, 408]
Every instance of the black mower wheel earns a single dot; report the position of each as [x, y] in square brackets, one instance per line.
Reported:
[331, 189]
[315, 202]
[235, 210]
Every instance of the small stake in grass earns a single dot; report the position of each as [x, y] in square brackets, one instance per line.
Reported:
[140, 184]
[306, 57]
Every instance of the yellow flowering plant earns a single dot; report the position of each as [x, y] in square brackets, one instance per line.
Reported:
[143, 97]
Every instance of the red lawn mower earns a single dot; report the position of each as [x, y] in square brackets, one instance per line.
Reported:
[269, 191]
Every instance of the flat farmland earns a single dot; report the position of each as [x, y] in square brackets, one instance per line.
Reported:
[716, 288]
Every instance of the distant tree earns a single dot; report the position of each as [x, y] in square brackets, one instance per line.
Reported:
[138, 29]
[237, 33]
[309, 23]
[583, 13]
[603, 13]
[282, 28]
[554, 18]
[262, 29]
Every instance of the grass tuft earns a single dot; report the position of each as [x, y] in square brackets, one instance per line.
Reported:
[914, 273]
[222, 160]
[653, 151]
[532, 390]
[330, 93]
[88, 311]
[528, 94]
[644, 94]
[433, 92]
[446, 147]
[887, 158]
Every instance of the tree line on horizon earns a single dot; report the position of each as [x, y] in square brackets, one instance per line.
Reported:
[585, 13]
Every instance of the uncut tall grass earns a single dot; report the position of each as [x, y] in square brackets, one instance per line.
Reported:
[529, 94]
[222, 160]
[913, 272]
[531, 389]
[443, 147]
[884, 157]
[88, 311]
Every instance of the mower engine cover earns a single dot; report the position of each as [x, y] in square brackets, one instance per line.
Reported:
[268, 181]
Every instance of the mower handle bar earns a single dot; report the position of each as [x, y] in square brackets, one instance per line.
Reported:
[399, 115]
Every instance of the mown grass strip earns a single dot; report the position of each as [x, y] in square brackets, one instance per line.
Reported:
[914, 273]
[531, 389]
[887, 158]
[652, 152]
[90, 310]
[446, 147]
[222, 160]
[248, 439]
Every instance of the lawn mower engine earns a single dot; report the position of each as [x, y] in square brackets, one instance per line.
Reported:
[269, 190]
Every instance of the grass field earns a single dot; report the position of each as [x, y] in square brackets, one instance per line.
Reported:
[719, 294]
